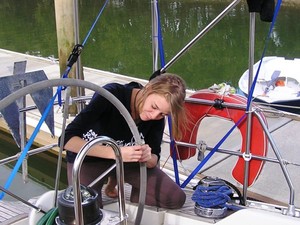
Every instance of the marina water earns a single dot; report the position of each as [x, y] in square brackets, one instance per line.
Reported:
[121, 40]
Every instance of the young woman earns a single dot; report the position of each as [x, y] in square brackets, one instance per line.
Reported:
[164, 95]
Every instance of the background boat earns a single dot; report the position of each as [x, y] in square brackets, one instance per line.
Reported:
[277, 83]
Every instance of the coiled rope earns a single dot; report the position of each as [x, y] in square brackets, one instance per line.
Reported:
[212, 196]
[216, 196]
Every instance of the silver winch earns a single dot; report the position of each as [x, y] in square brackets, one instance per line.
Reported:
[203, 191]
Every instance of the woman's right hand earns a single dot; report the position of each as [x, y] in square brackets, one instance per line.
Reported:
[136, 153]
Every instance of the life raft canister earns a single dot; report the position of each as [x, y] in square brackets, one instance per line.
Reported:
[197, 111]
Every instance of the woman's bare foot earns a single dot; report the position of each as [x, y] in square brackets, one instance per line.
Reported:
[110, 189]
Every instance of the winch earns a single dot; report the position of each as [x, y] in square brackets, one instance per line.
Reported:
[211, 196]
[92, 214]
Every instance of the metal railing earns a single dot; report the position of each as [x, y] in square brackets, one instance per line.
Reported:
[119, 172]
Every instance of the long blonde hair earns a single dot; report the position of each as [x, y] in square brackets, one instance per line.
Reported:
[173, 88]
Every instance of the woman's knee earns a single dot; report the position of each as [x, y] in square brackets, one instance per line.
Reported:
[181, 198]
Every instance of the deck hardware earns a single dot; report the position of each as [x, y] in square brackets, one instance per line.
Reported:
[202, 147]
[247, 157]
[218, 103]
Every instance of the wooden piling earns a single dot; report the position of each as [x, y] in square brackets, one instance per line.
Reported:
[66, 40]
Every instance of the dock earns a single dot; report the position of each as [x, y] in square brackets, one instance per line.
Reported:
[271, 183]
[51, 68]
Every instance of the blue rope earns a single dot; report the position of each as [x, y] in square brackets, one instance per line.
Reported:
[160, 40]
[94, 24]
[78, 49]
[72, 59]
[212, 196]
[173, 152]
[216, 196]
[162, 62]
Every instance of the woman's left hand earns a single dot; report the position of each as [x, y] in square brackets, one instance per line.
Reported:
[146, 153]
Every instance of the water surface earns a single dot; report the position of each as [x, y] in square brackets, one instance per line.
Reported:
[121, 40]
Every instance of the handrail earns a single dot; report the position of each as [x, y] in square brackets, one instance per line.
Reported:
[226, 151]
[74, 99]
[291, 207]
[29, 153]
[119, 171]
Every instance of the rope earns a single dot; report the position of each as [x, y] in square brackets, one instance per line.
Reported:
[157, 73]
[212, 196]
[78, 49]
[160, 40]
[217, 196]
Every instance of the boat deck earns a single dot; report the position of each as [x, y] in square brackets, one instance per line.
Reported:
[12, 211]
[187, 210]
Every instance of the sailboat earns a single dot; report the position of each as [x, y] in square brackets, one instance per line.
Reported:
[202, 104]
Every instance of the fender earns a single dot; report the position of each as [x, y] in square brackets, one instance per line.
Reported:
[197, 111]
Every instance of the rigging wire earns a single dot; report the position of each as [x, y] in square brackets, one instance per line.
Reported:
[94, 24]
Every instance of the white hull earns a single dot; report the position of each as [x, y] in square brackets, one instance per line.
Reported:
[153, 215]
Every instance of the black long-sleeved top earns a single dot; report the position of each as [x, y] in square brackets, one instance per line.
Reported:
[101, 118]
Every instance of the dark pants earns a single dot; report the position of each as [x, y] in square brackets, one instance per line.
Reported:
[162, 191]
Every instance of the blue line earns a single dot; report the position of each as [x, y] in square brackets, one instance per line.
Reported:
[162, 63]
[94, 24]
[173, 152]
